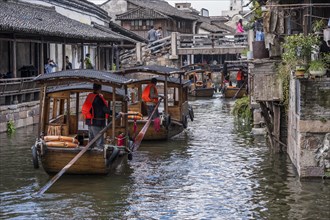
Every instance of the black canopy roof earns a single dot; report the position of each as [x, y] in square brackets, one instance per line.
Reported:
[83, 86]
[82, 75]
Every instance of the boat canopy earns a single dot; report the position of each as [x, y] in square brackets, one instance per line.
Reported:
[170, 80]
[82, 75]
[87, 87]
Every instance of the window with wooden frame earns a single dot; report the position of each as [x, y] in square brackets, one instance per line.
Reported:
[136, 24]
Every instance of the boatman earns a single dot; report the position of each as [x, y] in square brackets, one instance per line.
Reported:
[150, 97]
[95, 110]
[239, 78]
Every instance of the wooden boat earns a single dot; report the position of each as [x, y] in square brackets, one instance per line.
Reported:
[231, 92]
[201, 79]
[229, 72]
[201, 84]
[175, 110]
[62, 131]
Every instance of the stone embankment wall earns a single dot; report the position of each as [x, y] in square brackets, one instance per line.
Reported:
[21, 115]
[309, 126]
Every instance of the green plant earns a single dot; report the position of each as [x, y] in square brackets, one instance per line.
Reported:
[244, 52]
[323, 120]
[318, 25]
[10, 127]
[317, 65]
[242, 109]
[297, 48]
[283, 71]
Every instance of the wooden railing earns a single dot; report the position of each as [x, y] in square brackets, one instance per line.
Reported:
[17, 86]
[168, 44]
[210, 40]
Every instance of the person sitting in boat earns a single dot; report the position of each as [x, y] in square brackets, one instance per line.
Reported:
[95, 110]
[150, 97]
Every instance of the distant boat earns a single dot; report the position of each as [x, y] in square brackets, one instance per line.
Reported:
[200, 77]
[62, 134]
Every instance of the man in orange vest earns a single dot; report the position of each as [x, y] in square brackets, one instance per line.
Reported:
[239, 78]
[95, 110]
[150, 97]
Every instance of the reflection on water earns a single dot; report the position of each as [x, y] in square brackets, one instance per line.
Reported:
[213, 170]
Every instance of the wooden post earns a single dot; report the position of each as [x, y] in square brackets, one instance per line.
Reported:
[268, 122]
[165, 96]
[277, 127]
[98, 59]
[14, 59]
[125, 110]
[113, 111]
[112, 55]
[41, 59]
[174, 46]
[82, 56]
[63, 57]
[55, 104]
[107, 58]
[77, 111]
[117, 57]
[68, 113]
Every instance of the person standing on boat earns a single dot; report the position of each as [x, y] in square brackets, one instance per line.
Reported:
[239, 78]
[150, 97]
[95, 110]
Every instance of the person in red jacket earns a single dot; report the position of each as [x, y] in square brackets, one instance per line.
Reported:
[150, 97]
[239, 78]
[95, 110]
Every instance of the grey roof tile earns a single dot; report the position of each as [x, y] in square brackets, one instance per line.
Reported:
[162, 7]
[41, 20]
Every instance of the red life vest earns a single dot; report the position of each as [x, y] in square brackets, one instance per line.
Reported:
[88, 106]
[146, 93]
[121, 140]
[239, 75]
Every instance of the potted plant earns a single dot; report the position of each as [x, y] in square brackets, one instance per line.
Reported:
[297, 51]
[317, 68]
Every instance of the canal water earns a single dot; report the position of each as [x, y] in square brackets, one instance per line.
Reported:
[213, 170]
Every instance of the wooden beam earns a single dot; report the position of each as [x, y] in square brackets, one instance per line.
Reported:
[113, 112]
[14, 59]
[269, 124]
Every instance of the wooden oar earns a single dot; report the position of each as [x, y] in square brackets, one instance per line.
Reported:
[239, 90]
[139, 137]
[64, 169]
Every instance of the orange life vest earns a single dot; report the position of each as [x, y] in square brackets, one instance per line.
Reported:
[88, 106]
[146, 93]
[239, 75]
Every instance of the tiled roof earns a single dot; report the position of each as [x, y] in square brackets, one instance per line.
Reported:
[162, 7]
[121, 30]
[211, 28]
[45, 21]
[207, 24]
[83, 5]
[108, 30]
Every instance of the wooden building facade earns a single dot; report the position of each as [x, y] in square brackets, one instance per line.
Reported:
[138, 16]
